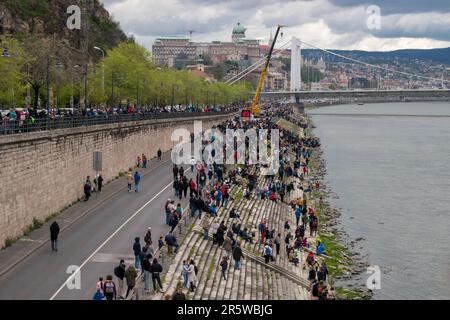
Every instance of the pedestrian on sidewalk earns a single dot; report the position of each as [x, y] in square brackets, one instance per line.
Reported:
[206, 224]
[156, 270]
[224, 266]
[171, 242]
[137, 253]
[144, 161]
[119, 272]
[185, 186]
[87, 189]
[100, 284]
[193, 162]
[228, 246]
[160, 243]
[130, 180]
[214, 227]
[109, 288]
[130, 276]
[148, 238]
[237, 256]
[175, 172]
[167, 209]
[100, 183]
[54, 232]
[146, 269]
[277, 242]
[137, 180]
[159, 154]
[268, 253]
[185, 274]
[192, 275]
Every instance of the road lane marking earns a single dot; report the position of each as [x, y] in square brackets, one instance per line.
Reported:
[109, 238]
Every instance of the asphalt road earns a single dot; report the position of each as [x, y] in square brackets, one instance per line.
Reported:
[95, 243]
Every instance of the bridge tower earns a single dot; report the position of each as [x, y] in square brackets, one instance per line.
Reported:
[296, 74]
[296, 65]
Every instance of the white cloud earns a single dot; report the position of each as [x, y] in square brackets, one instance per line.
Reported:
[326, 23]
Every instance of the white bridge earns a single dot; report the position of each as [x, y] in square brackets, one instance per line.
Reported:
[302, 89]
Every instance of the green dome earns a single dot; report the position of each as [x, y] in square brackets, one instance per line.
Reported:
[238, 29]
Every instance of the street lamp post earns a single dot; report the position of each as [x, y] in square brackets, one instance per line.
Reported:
[173, 94]
[103, 68]
[48, 93]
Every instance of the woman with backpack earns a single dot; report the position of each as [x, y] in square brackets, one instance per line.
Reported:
[109, 288]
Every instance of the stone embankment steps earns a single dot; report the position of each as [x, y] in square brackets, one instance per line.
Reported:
[249, 280]
[256, 280]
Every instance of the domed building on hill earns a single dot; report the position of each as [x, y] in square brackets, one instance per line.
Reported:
[242, 50]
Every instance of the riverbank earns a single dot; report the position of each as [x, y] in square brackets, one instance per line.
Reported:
[337, 102]
[345, 264]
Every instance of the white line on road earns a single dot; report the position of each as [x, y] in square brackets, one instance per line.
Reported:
[108, 239]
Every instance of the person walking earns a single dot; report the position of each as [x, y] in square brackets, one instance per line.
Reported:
[277, 242]
[109, 288]
[119, 272]
[193, 162]
[268, 253]
[214, 227]
[100, 183]
[185, 186]
[130, 180]
[144, 161]
[130, 276]
[148, 238]
[159, 154]
[171, 242]
[185, 274]
[224, 267]
[237, 256]
[192, 274]
[87, 189]
[156, 270]
[228, 246]
[146, 269]
[54, 232]
[137, 180]
[137, 252]
[175, 172]
[206, 224]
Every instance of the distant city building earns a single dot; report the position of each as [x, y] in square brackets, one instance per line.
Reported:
[166, 50]
[359, 83]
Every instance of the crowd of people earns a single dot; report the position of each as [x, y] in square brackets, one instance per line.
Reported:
[209, 192]
[212, 193]
[27, 119]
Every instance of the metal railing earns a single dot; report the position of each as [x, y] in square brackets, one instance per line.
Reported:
[64, 122]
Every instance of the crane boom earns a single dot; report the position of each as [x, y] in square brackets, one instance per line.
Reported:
[254, 108]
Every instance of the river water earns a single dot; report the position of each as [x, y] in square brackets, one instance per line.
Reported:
[389, 165]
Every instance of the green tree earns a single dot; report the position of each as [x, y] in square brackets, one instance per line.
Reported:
[12, 79]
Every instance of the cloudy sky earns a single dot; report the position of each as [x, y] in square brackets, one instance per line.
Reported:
[333, 24]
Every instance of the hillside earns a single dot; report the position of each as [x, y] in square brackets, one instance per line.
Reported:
[48, 17]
